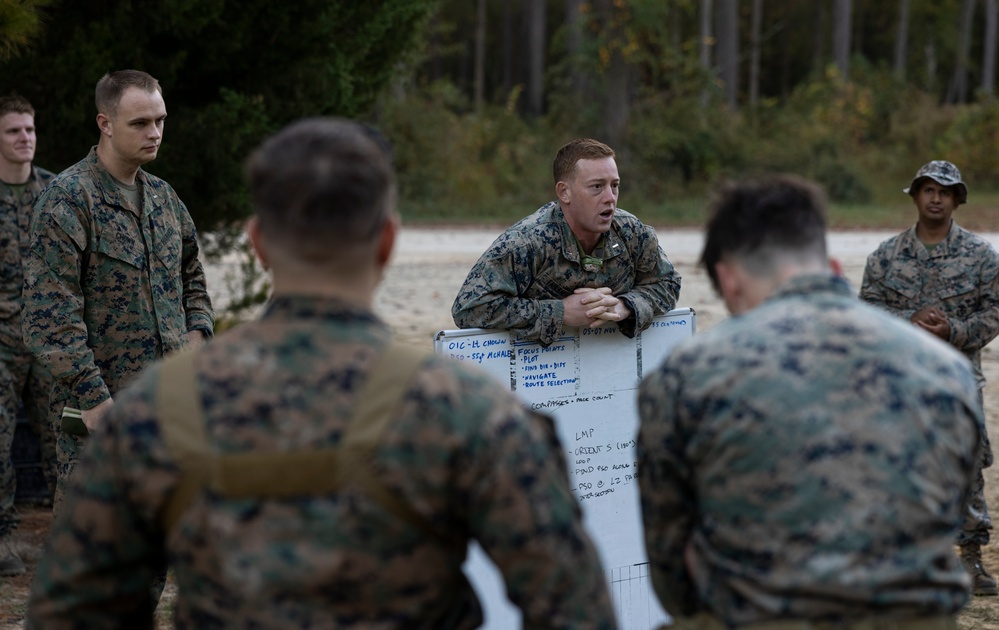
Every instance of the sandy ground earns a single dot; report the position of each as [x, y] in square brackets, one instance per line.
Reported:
[428, 269]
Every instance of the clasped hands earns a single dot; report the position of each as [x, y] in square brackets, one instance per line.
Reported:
[592, 307]
[934, 320]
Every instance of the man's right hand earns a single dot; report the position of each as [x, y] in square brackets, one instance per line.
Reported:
[92, 417]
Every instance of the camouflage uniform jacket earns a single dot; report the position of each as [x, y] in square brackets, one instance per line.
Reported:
[811, 460]
[15, 219]
[109, 288]
[960, 276]
[519, 282]
[463, 453]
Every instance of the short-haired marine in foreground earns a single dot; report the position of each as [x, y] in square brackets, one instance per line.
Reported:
[304, 470]
[577, 261]
[807, 460]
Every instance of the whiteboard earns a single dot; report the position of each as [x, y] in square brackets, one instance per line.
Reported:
[587, 382]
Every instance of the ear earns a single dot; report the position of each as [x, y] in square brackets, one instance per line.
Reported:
[836, 266]
[563, 193]
[104, 124]
[386, 241]
[730, 285]
[257, 241]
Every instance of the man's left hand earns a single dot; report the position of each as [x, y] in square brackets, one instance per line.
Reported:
[933, 320]
[603, 307]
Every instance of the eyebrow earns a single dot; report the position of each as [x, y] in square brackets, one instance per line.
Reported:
[145, 118]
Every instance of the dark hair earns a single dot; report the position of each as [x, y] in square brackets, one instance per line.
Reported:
[112, 85]
[15, 104]
[322, 185]
[564, 166]
[758, 221]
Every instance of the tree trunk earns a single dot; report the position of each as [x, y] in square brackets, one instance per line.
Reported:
[617, 99]
[707, 42]
[480, 56]
[707, 37]
[902, 40]
[536, 57]
[957, 90]
[842, 17]
[931, 65]
[728, 49]
[989, 54]
[508, 46]
[754, 54]
[819, 34]
[574, 45]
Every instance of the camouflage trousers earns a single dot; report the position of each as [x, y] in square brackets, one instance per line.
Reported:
[705, 621]
[69, 448]
[24, 387]
[977, 521]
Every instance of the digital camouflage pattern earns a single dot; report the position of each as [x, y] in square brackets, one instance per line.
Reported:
[943, 173]
[961, 277]
[810, 459]
[108, 288]
[22, 381]
[463, 453]
[519, 282]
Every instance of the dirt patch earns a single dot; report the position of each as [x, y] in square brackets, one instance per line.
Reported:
[415, 298]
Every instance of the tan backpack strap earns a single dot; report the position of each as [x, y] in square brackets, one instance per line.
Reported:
[276, 475]
[378, 405]
[383, 392]
[182, 423]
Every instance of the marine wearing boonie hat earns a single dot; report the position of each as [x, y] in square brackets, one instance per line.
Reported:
[943, 173]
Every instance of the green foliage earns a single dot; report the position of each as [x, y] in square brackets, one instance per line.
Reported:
[450, 160]
[970, 141]
[232, 72]
[862, 140]
[20, 23]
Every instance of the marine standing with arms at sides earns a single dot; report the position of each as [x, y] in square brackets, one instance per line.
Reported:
[113, 280]
[804, 464]
[22, 381]
[945, 280]
[304, 470]
[577, 261]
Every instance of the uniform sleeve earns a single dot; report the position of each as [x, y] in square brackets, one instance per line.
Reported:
[197, 305]
[491, 295]
[524, 515]
[975, 331]
[872, 287]
[657, 285]
[52, 309]
[666, 487]
[100, 560]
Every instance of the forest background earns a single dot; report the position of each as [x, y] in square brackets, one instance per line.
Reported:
[477, 95]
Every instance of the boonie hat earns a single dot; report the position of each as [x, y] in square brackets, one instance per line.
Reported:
[943, 173]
